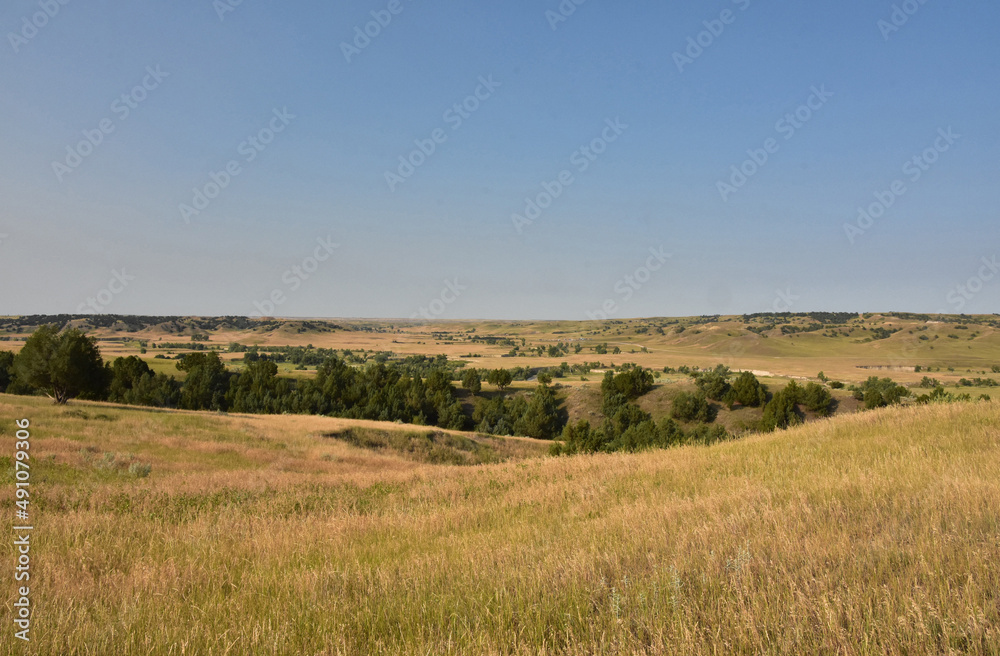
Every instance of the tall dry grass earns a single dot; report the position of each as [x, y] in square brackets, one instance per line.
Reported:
[869, 534]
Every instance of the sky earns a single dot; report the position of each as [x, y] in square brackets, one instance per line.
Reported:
[520, 160]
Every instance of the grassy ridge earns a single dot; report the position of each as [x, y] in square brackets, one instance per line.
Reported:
[872, 533]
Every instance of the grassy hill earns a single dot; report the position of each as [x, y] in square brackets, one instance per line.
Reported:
[869, 533]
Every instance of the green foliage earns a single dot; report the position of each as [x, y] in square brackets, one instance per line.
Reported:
[939, 395]
[134, 383]
[747, 391]
[472, 380]
[6, 370]
[258, 389]
[631, 383]
[381, 392]
[206, 383]
[63, 365]
[692, 407]
[715, 383]
[536, 415]
[880, 392]
[782, 411]
[627, 427]
[542, 417]
[817, 398]
[502, 378]
[582, 438]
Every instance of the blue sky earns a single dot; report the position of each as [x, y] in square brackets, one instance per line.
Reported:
[309, 225]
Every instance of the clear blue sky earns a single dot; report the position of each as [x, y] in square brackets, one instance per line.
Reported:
[443, 241]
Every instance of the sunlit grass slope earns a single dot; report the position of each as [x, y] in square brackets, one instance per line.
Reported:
[874, 533]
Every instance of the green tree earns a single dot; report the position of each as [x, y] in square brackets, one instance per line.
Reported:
[715, 384]
[6, 369]
[502, 378]
[747, 391]
[880, 392]
[63, 365]
[133, 382]
[541, 418]
[472, 380]
[818, 399]
[781, 410]
[257, 389]
[692, 407]
[206, 383]
[631, 383]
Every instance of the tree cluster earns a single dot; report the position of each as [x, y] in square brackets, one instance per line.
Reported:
[879, 392]
[626, 426]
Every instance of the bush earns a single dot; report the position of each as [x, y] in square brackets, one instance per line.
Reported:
[582, 438]
[631, 383]
[715, 383]
[817, 398]
[747, 391]
[781, 410]
[692, 407]
[880, 392]
[537, 415]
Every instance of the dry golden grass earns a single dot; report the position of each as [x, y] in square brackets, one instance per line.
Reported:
[868, 534]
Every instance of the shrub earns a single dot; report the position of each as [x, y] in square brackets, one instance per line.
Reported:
[817, 398]
[880, 392]
[630, 383]
[747, 391]
[781, 410]
[715, 383]
[692, 407]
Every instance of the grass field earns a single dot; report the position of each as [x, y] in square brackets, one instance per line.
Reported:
[874, 533]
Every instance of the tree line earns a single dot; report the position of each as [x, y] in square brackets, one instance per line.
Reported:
[417, 389]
